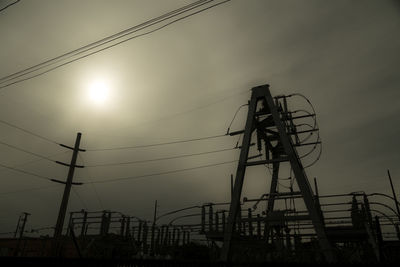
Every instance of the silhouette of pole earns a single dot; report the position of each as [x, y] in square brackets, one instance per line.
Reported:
[67, 190]
[394, 193]
[153, 228]
[21, 233]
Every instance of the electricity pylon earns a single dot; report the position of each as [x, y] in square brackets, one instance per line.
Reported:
[273, 124]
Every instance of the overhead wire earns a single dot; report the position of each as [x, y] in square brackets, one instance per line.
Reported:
[193, 109]
[79, 197]
[158, 144]
[234, 116]
[91, 182]
[29, 132]
[26, 172]
[162, 173]
[115, 44]
[310, 134]
[28, 190]
[318, 141]
[318, 157]
[7, 6]
[90, 45]
[162, 158]
[28, 152]
[36, 160]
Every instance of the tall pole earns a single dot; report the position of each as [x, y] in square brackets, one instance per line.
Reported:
[18, 225]
[394, 193]
[24, 219]
[67, 190]
[153, 228]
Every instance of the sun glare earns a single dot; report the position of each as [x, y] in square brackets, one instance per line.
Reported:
[98, 92]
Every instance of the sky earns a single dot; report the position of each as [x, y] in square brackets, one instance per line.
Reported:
[186, 81]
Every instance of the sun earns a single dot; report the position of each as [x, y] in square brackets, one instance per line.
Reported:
[98, 92]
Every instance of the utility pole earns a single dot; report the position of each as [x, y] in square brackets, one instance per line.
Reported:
[394, 193]
[153, 228]
[22, 218]
[64, 203]
[18, 226]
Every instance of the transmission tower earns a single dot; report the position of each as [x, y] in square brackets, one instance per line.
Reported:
[274, 125]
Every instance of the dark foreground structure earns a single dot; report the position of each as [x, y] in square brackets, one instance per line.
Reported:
[291, 223]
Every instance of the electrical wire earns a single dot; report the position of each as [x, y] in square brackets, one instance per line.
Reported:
[26, 172]
[36, 160]
[79, 197]
[7, 6]
[193, 109]
[158, 144]
[115, 44]
[91, 45]
[237, 111]
[26, 151]
[28, 190]
[29, 132]
[309, 135]
[93, 185]
[318, 142]
[284, 186]
[318, 157]
[162, 173]
[96, 44]
[159, 159]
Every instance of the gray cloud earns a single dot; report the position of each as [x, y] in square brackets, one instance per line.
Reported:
[343, 55]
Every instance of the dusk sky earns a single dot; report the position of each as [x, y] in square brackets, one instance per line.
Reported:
[186, 81]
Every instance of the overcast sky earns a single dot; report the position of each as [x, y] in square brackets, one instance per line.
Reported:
[186, 81]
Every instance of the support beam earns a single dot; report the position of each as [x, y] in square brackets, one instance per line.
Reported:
[241, 169]
[283, 128]
[302, 182]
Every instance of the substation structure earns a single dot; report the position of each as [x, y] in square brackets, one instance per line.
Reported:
[288, 223]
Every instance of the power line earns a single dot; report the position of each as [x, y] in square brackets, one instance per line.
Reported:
[93, 45]
[315, 125]
[79, 197]
[7, 6]
[93, 185]
[158, 144]
[89, 46]
[162, 173]
[27, 190]
[6, 79]
[26, 151]
[163, 158]
[29, 132]
[237, 111]
[193, 109]
[36, 160]
[26, 172]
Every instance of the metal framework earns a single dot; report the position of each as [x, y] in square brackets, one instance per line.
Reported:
[272, 123]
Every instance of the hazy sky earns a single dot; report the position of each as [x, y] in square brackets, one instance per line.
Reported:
[186, 81]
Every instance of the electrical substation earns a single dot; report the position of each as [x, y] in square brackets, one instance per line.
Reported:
[286, 224]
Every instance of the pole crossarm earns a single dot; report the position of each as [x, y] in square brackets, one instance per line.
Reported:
[69, 147]
[68, 165]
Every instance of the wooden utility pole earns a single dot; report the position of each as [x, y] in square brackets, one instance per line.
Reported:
[64, 203]
[153, 228]
[23, 218]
